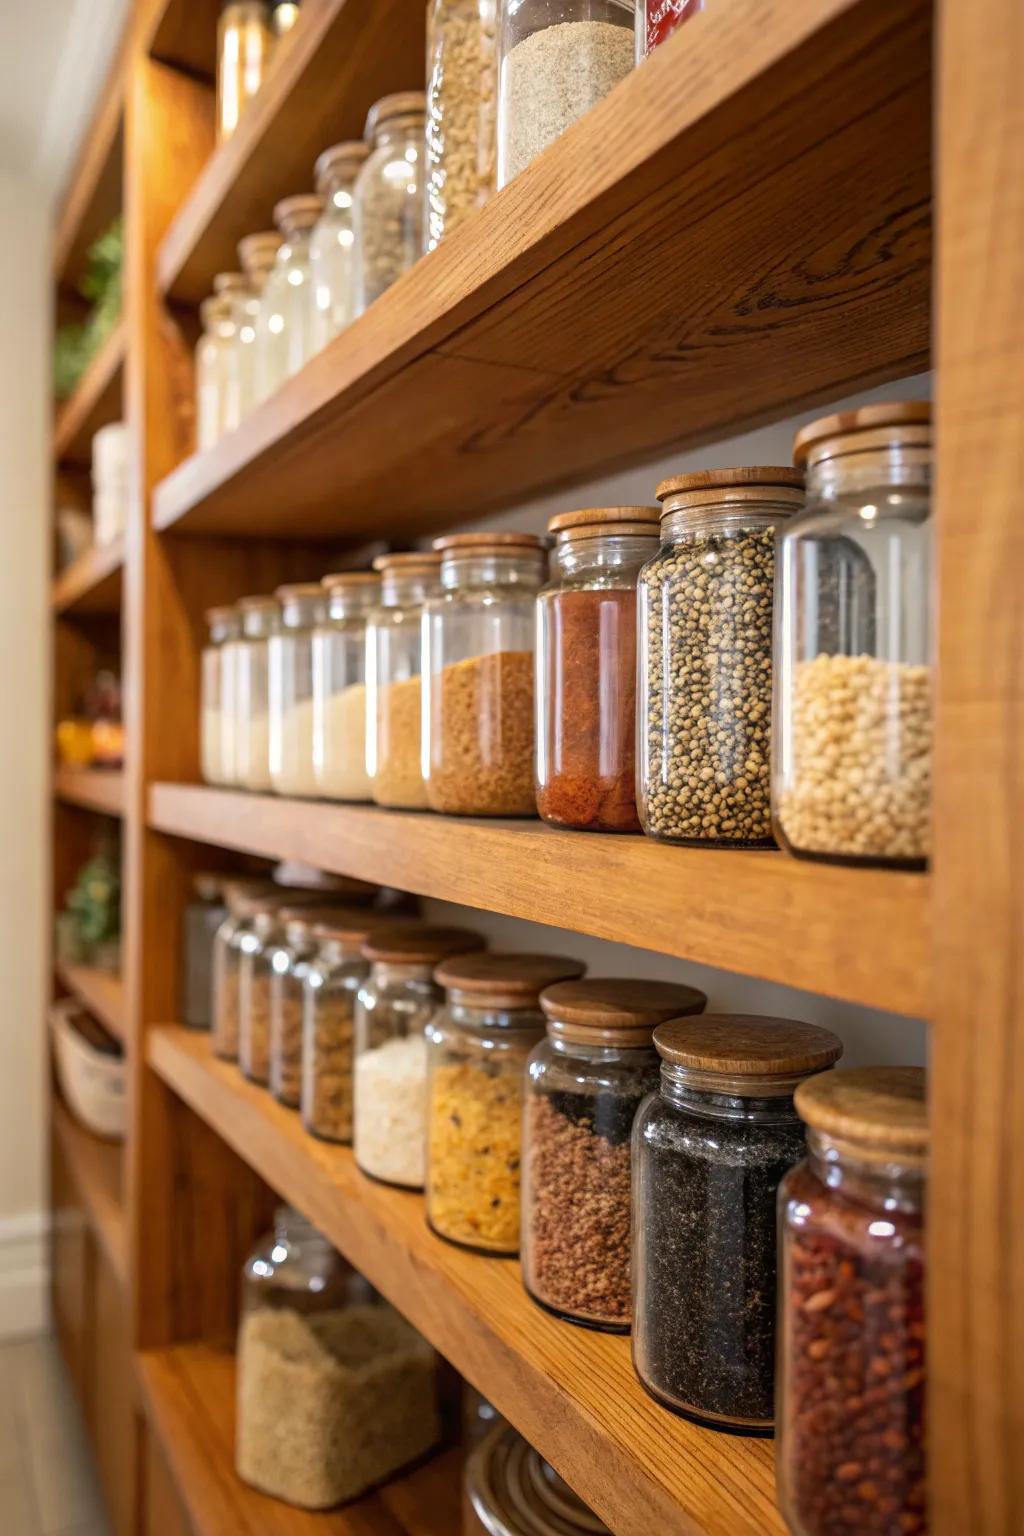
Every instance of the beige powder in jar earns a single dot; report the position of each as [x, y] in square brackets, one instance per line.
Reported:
[342, 774]
[398, 781]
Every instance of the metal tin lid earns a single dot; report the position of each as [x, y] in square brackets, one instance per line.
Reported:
[616, 1011]
[340, 162]
[415, 943]
[906, 423]
[293, 215]
[589, 522]
[412, 104]
[504, 981]
[746, 1051]
[880, 1113]
[514, 1492]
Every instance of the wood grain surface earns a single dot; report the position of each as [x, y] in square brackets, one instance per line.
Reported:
[94, 1166]
[93, 789]
[98, 991]
[95, 403]
[92, 583]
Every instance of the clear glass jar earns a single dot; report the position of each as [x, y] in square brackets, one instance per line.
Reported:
[394, 1007]
[586, 668]
[477, 1047]
[461, 126]
[284, 323]
[585, 1083]
[244, 898]
[478, 639]
[332, 245]
[203, 918]
[260, 620]
[394, 658]
[512, 1491]
[243, 52]
[212, 351]
[853, 735]
[710, 1147]
[257, 253]
[331, 986]
[232, 290]
[705, 636]
[388, 205]
[339, 687]
[656, 20]
[255, 970]
[850, 1451]
[283, 17]
[292, 953]
[557, 59]
[217, 706]
[290, 658]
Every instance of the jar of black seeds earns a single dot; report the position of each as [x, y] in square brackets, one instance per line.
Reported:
[705, 632]
[710, 1147]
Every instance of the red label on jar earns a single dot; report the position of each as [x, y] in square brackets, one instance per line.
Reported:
[664, 16]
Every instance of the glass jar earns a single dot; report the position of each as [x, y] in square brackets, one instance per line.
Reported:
[284, 323]
[656, 20]
[332, 245]
[477, 1047]
[388, 199]
[478, 638]
[705, 636]
[557, 59]
[290, 658]
[394, 1007]
[232, 291]
[853, 738]
[212, 351]
[217, 707]
[586, 668]
[257, 253]
[291, 955]
[585, 1083]
[394, 656]
[851, 1449]
[331, 985]
[283, 17]
[255, 969]
[710, 1147]
[243, 52]
[339, 687]
[461, 126]
[260, 619]
[514, 1492]
[204, 915]
[243, 898]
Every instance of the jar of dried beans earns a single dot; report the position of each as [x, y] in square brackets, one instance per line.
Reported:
[705, 635]
[331, 985]
[512, 1491]
[290, 654]
[586, 668]
[477, 1050]
[851, 1432]
[260, 620]
[656, 20]
[388, 199]
[585, 1082]
[478, 638]
[290, 958]
[339, 687]
[244, 899]
[709, 1149]
[853, 742]
[254, 974]
[394, 657]
[462, 90]
[217, 698]
[332, 292]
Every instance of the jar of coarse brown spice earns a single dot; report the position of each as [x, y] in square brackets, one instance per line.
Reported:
[244, 899]
[851, 1390]
[330, 986]
[585, 1082]
[290, 958]
[394, 656]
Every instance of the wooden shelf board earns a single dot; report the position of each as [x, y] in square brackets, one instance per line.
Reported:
[96, 402]
[95, 1167]
[94, 789]
[184, 33]
[100, 992]
[93, 583]
[668, 273]
[861, 935]
[571, 1392]
[93, 194]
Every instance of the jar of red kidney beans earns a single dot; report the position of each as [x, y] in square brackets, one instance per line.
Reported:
[658, 19]
[851, 1385]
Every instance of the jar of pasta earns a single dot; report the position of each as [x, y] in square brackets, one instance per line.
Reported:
[217, 698]
[290, 659]
[339, 686]
[462, 91]
[331, 985]
[244, 899]
[260, 619]
[394, 658]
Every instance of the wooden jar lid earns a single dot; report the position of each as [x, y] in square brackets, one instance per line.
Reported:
[347, 925]
[616, 1011]
[295, 214]
[298, 591]
[398, 104]
[765, 479]
[348, 157]
[224, 614]
[259, 249]
[747, 1045]
[892, 423]
[491, 544]
[265, 604]
[230, 282]
[408, 562]
[608, 520]
[881, 1110]
[415, 943]
[351, 579]
[505, 981]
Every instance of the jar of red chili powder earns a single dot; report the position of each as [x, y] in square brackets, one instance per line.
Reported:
[851, 1384]
[656, 20]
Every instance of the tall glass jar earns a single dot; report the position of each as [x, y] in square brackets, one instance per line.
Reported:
[243, 52]
[586, 668]
[477, 1047]
[284, 324]
[709, 1149]
[290, 658]
[339, 687]
[212, 351]
[557, 59]
[332, 246]
[292, 953]
[203, 917]
[853, 737]
[850, 1452]
[705, 635]
[260, 620]
[388, 199]
[585, 1082]
[232, 290]
[512, 1491]
[331, 986]
[394, 658]
[462, 92]
[478, 638]
[656, 20]
[394, 1007]
[217, 758]
[257, 253]
[255, 971]
[244, 899]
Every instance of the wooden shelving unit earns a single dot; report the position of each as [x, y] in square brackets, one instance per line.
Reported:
[99, 991]
[95, 403]
[92, 789]
[93, 583]
[96, 1169]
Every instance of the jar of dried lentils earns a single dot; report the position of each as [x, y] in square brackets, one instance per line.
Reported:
[244, 899]
[290, 960]
[477, 1050]
[256, 950]
[462, 91]
[339, 686]
[709, 1149]
[303, 608]
[851, 1396]
[394, 662]
[331, 984]
[585, 1082]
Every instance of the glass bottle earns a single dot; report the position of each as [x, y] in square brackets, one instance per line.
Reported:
[257, 253]
[710, 1147]
[477, 1047]
[850, 1450]
[255, 969]
[461, 124]
[394, 656]
[332, 245]
[331, 986]
[217, 757]
[656, 20]
[284, 328]
[339, 687]
[290, 658]
[388, 199]
[705, 669]
[243, 52]
[211, 369]
[394, 1007]
[260, 620]
[853, 736]
[586, 668]
[585, 1082]
[243, 898]
[513, 1491]
[478, 638]
[203, 917]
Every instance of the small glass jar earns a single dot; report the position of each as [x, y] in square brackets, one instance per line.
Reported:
[291, 955]
[394, 658]
[255, 970]
[212, 351]
[339, 687]
[477, 1047]
[257, 253]
[586, 668]
[243, 898]
[394, 1007]
[656, 20]
[243, 52]
[388, 199]
[260, 619]
[705, 636]
[512, 1491]
[283, 17]
[852, 1383]
[710, 1147]
[853, 736]
[232, 290]
[557, 59]
[290, 657]
[284, 323]
[332, 290]
[203, 917]
[478, 639]
[217, 707]
[461, 127]
[331, 986]
[585, 1083]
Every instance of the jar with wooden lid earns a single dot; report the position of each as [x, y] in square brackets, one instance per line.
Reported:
[217, 698]
[585, 1082]
[211, 368]
[513, 1491]
[710, 1147]
[478, 637]
[243, 53]
[462, 94]
[284, 329]
[586, 668]
[853, 738]
[290, 659]
[260, 620]
[257, 254]
[705, 636]
[477, 1047]
[244, 899]
[255, 970]
[331, 985]
[339, 686]
[291, 955]
[394, 661]
[656, 20]
[394, 1006]
[850, 1451]
[332, 246]
[232, 290]
[388, 198]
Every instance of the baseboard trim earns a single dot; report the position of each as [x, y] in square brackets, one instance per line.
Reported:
[24, 1275]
